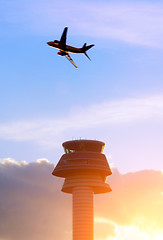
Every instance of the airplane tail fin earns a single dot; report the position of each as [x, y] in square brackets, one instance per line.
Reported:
[86, 48]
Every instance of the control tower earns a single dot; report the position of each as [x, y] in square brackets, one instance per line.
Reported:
[85, 169]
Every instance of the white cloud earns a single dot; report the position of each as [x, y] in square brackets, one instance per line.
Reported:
[134, 233]
[126, 232]
[42, 160]
[137, 23]
[11, 161]
[46, 131]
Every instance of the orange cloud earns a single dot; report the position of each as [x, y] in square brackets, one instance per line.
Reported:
[136, 199]
[33, 207]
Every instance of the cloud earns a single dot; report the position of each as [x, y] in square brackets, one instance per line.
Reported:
[138, 23]
[134, 233]
[136, 199]
[31, 203]
[11, 161]
[126, 232]
[33, 207]
[48, 132]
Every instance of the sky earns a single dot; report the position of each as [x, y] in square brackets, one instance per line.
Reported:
[117, 98]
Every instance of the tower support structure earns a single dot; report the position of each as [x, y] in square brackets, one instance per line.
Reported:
[83, 213]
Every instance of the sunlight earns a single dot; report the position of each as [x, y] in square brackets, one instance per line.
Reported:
[140, 229]
[134, 233]
[104, 220]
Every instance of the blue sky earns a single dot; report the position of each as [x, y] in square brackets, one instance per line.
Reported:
[116, 98]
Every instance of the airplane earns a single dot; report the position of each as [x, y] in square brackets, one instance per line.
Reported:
[65, 49]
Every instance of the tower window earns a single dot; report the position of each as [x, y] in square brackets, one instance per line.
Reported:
[69, 150]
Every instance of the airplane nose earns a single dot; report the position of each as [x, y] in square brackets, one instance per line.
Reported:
[50, 43]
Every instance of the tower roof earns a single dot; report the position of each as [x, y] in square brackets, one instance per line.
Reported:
[83, 145]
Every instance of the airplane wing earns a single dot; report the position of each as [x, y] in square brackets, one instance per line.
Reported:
[63, 37]
[70, 59]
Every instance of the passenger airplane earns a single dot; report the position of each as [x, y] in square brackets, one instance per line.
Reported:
[65, 49]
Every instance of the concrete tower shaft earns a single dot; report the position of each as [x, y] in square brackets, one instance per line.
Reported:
[85, 169]
[83, 213]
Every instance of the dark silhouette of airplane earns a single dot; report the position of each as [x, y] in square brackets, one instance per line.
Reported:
[65, 49]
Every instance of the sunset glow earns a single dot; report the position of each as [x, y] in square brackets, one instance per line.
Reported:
[116, 98]
[134, 230]
[119, 215]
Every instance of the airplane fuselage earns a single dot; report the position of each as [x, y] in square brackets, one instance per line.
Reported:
[65, 48]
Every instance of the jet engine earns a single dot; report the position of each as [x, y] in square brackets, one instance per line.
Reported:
[61, 53]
